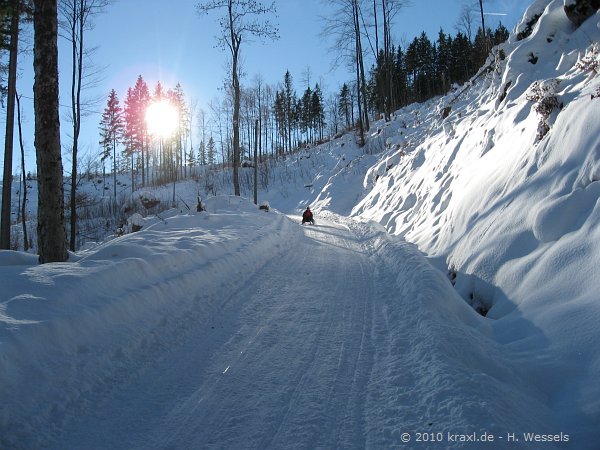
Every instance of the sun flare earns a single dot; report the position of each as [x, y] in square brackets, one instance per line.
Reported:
[161, 118]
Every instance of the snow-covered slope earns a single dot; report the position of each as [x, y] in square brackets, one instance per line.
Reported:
[513, 218]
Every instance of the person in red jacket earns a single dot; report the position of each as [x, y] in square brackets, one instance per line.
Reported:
[307, 216]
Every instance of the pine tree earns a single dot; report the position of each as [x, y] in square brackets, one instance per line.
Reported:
[280, 121]
[442, 67]
[345, 105]
[289, 100]
[202, 154]
[177, 98]
[111, 132]
[192, 161]
[306, 120]
[136, 131]
[210, 150]
[317, 111]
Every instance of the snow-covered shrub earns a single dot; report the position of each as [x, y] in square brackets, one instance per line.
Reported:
[544, 95]
[135, 222]
[591, 60]
[528, 29]
[148, 200]
[533, 58]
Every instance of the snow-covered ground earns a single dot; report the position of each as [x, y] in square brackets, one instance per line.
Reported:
[236, 328]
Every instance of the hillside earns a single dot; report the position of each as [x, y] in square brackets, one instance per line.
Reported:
[513, 219]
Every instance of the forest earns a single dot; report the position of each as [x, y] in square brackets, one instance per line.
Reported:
[287, 120]
[252, 123]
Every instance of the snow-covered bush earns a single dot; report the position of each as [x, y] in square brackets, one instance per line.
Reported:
[544, 95]
[528, 28]
[148, 200]
[135, 222]
[591, 60]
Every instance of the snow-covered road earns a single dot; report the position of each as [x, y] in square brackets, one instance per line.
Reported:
[332, 336]
[285, 363]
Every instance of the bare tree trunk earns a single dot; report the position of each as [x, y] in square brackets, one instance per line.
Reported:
[358, 49]
[485, 40]
[387, 58]
[236, 126]
[24, 203]
[256, 134]
[359, 56]
[377, 26]
[52, 238]
[235, 47]
[76, 77]
[358, 103]
[76, 15]
[10, 125]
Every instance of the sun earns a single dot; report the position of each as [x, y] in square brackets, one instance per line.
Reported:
[162, 118]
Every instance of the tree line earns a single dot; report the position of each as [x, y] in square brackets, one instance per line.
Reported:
[273, 119]
[287, 121]
[425, 69]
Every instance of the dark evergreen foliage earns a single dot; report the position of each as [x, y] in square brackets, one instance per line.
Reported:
[426, 69]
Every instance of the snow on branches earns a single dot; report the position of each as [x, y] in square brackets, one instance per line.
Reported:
[543, 93]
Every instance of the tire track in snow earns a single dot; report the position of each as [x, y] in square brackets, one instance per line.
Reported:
[340, 347]
[297, 365]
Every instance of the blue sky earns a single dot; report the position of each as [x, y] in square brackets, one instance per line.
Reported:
[169, 41]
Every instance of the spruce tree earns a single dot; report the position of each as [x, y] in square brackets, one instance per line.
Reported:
[345, 105]
[211, 152]
[136, 130]
[112, 133]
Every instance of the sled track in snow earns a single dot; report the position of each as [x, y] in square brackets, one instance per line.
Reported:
[330, 344]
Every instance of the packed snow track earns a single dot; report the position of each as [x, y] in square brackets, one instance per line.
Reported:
[327, 336]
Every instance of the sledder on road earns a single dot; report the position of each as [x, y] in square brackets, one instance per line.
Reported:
[307, 216]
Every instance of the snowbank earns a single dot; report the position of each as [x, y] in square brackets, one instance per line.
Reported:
[511, 216]
[68, 328]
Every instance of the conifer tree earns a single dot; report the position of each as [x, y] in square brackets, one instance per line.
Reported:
[136, 129]
[306, 113]
[202, 154]
[345, 105]
[192, 161]
[211, 151]
[289, 100]
[112, 132]
[317, 111]
[177, 98]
